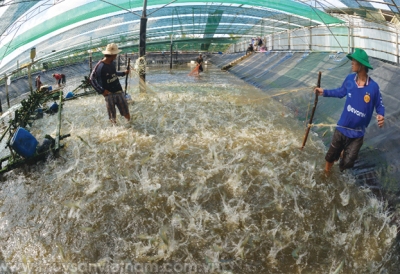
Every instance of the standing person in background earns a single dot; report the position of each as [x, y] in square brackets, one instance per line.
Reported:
[107, 82]
[250, 49]
[60, 78]
[260, 43]
[362, 97]
[38, 83]
[199, 62]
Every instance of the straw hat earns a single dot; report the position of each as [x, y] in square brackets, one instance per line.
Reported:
[361, 56]
[111, 49]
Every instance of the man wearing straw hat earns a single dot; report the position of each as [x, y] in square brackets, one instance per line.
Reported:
[107, 82]
[362, 98]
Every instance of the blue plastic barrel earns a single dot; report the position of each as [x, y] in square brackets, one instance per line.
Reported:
[50, 88]
[69, 95]
[24, 143]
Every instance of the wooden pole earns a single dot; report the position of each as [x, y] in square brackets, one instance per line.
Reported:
[312, 113]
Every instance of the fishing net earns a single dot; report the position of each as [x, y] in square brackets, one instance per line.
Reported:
[195, 71]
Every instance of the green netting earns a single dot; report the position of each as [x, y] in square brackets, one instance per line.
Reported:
[196, 19]
[13, 13]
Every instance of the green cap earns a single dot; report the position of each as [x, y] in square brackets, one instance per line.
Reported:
[361, 56]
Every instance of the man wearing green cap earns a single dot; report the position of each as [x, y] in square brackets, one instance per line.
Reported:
[362, 98]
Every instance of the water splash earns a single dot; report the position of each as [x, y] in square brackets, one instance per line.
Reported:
[196, 179]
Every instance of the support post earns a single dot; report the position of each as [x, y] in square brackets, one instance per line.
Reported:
[58, 133]
[90, 61]
[142, 46]
[397, 46]
[32, 55]
[30, 78]
[272, 37]
[170, 50]
[170, 55]
[119, 63]
[289, 33]
[348, 39]
[6, 85]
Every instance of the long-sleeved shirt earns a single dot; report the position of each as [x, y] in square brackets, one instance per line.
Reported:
[359, 106]
[107, 78]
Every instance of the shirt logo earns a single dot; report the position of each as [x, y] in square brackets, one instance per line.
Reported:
[367, 98]
[356, 112]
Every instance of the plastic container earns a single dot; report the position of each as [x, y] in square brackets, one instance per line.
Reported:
[24, 143]
[50, 88]
[69, 95]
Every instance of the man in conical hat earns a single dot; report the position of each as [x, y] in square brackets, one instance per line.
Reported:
[362, 98]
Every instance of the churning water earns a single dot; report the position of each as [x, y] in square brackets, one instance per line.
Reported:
[203, 180]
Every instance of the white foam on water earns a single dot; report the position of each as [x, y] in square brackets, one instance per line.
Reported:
[197, 178]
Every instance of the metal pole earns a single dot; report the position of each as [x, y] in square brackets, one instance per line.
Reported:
[170, 55]
[272, 38]
[8, 98]
[142, 45]
[289, 32]
[397, 45]
[348, 39]
[58, 133]
[90, 56]
[119, 62]
[170, 50]
[90, 61]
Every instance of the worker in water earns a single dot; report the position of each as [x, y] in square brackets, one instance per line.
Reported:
[38, 83]
[108, 83]
[60, 78]
[250, 49]
[199, 62]
[362, 98]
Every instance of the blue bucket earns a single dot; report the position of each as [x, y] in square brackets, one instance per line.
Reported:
[69, 95]
[24, 143]
[50, 88]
